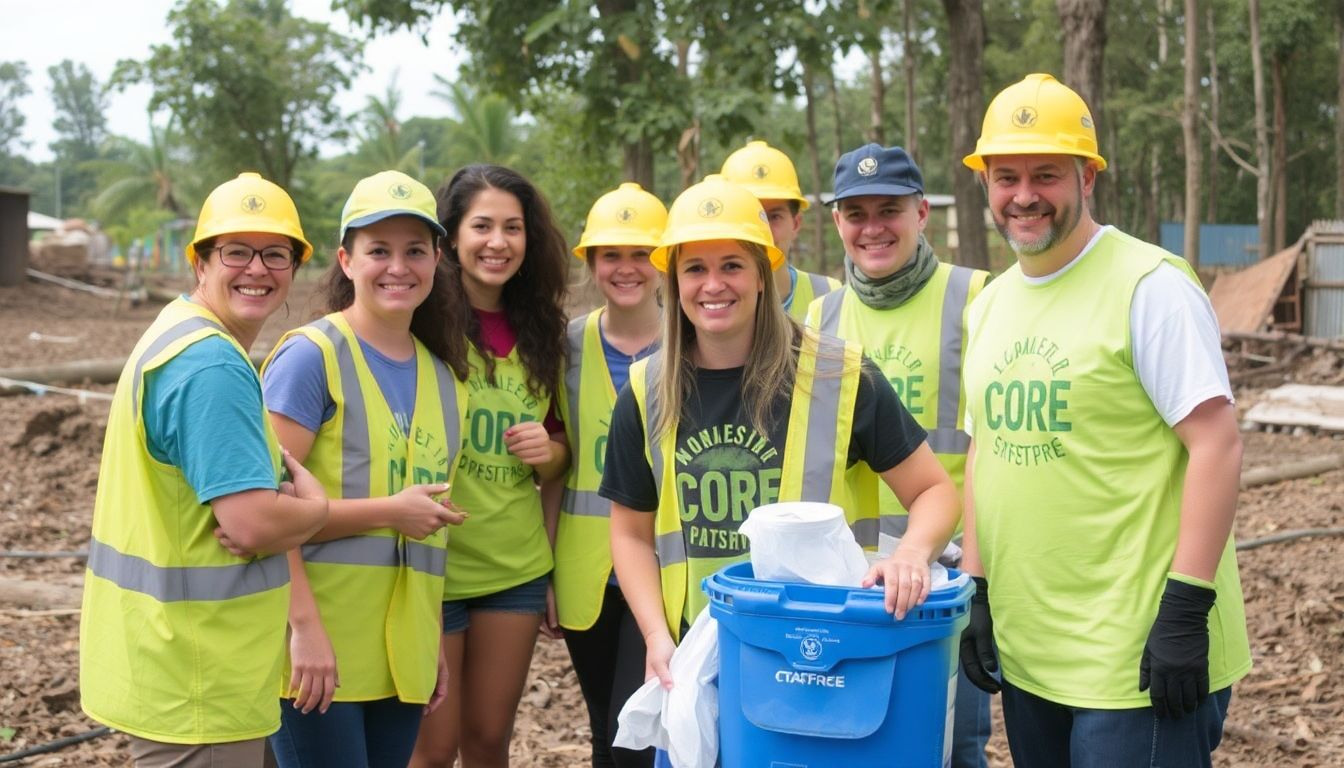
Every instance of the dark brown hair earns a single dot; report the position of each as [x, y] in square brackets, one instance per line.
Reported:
[534, 297]
[432, 322]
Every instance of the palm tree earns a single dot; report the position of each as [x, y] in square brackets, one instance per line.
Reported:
[484, 126]
[144, 176]
[381, 144]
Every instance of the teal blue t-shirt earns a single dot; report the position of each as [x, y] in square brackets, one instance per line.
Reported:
[203, 415]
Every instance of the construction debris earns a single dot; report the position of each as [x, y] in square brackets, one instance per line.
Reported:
[1299, 405]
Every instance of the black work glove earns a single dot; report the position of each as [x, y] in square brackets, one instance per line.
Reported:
[977, 641]
[1174, 668]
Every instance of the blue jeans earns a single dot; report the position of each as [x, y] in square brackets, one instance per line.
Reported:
[528, 597]
[354, 734]
[1043, 734]
[970, 724]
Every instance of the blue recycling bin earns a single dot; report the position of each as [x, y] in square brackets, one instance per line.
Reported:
[813, 676]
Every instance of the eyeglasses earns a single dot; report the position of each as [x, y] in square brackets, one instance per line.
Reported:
[273, 257]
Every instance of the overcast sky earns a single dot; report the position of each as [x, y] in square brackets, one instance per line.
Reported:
[98, 33]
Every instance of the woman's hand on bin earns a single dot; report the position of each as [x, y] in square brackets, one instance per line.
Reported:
[905, 577]
[658, 650]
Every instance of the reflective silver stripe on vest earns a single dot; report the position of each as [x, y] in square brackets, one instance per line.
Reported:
[378, 551]
[946, 438]
[671, 548]
[355, 423]
[865, 531]
[823, 415]
[174, 332]
[452, 433]
[584, 504]
[651, 419]
[820, 285]
[830, 312]
[171, 584]
[574, 373]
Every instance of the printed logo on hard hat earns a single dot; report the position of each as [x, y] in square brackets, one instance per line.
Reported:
[710, 208]
[399, 191]
[810, 647]
[760, 171]
[625, 215]
[1086, 121]
[254, 204]
[867, 166]
[1024, 117]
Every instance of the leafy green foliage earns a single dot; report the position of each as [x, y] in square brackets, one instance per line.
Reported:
[252, 86]
[13, 86]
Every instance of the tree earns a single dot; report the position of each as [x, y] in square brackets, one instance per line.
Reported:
[1084, 24]
[81, 105]
[13, 87]
[483, 128]
[1339, 101]
[134, 176]
[1190, 130]
[251, 85]
[966, 110]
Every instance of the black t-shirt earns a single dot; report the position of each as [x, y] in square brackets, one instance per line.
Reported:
[725, 468]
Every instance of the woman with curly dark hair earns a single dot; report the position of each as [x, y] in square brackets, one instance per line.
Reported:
[513, 262]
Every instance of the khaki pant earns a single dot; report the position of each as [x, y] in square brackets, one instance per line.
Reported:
[233, 754]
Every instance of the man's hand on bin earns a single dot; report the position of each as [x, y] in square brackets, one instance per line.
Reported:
[1174, 668]
[978, 658]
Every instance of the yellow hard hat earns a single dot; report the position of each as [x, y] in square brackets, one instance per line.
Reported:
[627, 215]
[766, 172]
[716, 209]
[1037, 116]
[248, 203]
[387, 194]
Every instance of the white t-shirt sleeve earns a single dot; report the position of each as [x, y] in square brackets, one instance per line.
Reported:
[1176, 344]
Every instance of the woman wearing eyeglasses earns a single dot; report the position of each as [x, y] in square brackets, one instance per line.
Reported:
[185, 595]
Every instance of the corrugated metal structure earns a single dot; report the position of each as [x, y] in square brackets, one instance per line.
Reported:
[1220, 245]
[1324, 284]
[13, 235]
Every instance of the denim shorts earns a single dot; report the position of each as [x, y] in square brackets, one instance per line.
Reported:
[528, 597]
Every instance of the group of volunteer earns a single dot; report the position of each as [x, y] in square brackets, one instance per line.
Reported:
[352, 552]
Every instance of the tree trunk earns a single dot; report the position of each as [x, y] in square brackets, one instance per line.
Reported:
[1339, 124]
[1211, 215]
[1190, 129]
[878, 92]
[814, 154]
[1152, 205]
[910, 57]
[834, 90]
[1163, 12]
[1279, 166]
[1261, 133]
[966, 110]
[1084, 25]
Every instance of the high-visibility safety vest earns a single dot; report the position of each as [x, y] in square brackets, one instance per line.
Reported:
[807, 287]
[1078, 484]
[919, 348]
[379, 593]
[180, 641]
[583, 535]
[816, 449]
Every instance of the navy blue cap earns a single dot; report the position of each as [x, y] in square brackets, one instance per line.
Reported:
[877, 170]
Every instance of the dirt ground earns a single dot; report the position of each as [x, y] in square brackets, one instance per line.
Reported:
[1286, 713]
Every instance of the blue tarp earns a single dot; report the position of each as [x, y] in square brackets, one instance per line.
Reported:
[1220, 245]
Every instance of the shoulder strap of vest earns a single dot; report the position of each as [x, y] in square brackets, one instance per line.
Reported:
[827, 377]
[831, 303]
[946, 437]
[186, 325]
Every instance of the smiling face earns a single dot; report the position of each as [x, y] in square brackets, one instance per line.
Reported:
[491, 242]
[718, 287]
[243, 297]
[624, 275]
[881, 232]
[1037, 201]
[391, 263]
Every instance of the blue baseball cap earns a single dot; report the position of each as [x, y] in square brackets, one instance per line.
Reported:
[877, 170]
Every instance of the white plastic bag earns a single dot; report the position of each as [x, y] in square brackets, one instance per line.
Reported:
[684, 722]
[804, 541]
[938, 575]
